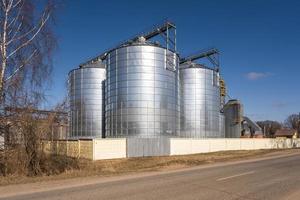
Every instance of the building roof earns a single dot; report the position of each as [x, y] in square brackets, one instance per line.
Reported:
[285, 132]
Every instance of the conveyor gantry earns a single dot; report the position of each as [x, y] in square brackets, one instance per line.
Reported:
[163, 30]
[211, 54]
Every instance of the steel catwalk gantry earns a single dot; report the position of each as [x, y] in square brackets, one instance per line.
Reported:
[167, 30]
[211, 54]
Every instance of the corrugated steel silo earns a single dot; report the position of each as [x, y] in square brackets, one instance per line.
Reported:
[142, 91]
[86, 86]
[222, 124]
[200, 102]
[233, 111]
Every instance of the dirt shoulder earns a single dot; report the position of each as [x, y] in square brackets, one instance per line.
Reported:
[132, 166]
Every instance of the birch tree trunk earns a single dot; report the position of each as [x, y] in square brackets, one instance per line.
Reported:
[26, 46]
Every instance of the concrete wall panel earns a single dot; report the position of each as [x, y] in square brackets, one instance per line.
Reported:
[109, 148]
[260, 144]
[217, 145]
[198, 145]
[247, 144]
[86, 149]
[182, 146]
[233, 144]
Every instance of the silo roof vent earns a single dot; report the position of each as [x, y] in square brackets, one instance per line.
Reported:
[141, 39]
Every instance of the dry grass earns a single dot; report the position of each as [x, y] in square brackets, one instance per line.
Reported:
[83, 168]
[166, 162]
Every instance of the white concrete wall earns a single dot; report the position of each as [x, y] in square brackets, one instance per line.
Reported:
[296, 143]
[188, 146]
[233, 144]
[182, 146]
[116, 148]
[109, 148]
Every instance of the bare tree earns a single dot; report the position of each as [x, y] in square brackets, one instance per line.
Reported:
[293, 121]
[26, 46]
[269, 127]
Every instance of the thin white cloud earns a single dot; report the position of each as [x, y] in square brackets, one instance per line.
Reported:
[257, 75]
[280, 104]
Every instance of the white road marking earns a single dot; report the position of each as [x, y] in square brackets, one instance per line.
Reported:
[237, 175]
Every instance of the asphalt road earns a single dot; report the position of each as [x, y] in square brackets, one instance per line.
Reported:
[276, 178]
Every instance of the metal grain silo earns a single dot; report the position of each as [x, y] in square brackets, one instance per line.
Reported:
[233, 111]
[200, 102]
[142, 91]
[222, 124]
[86, 96]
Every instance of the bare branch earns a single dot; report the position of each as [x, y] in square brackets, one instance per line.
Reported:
[13, 22]
[24, 38]
[21, 66]
[10, 5]
[42, 24]
[16, 4]
[4, 4]
[15, 33]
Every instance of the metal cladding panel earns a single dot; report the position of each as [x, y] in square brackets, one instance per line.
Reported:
[142, 92]
[222, 125]
[142, 147]
[86, 102]
[200, 103]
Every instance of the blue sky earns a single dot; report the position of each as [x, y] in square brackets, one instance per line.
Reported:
[259, 43]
